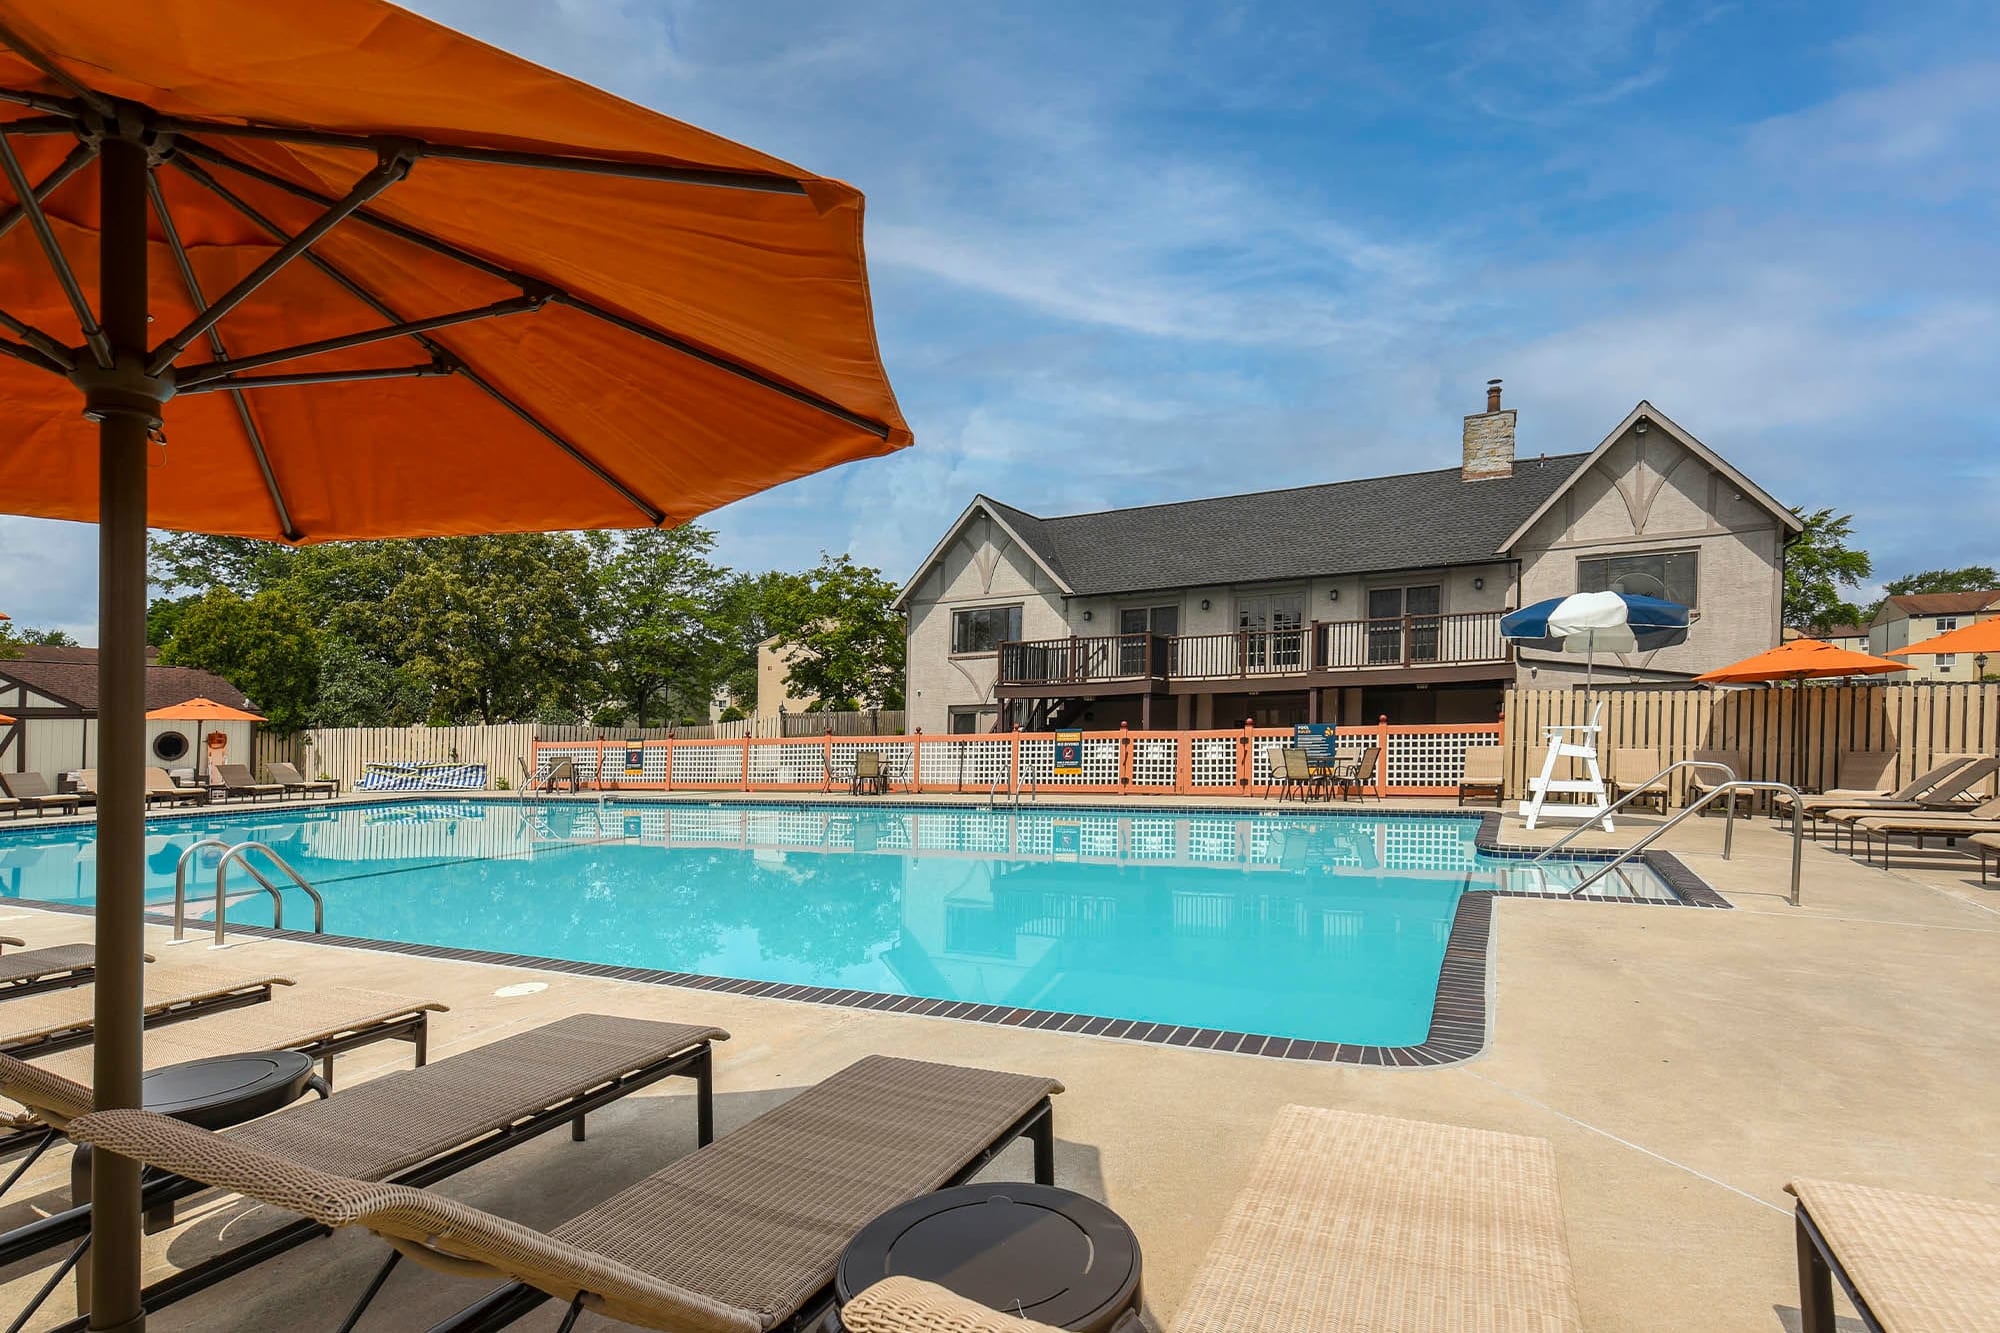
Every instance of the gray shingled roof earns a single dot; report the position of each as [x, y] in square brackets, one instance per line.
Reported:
[1418, 520]
[71, 673]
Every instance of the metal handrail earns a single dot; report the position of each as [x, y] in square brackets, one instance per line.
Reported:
[241, 855]
[1729, 827]
[1729, 789]
[180, 882]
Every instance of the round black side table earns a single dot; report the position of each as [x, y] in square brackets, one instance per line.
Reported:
[1048, 1254]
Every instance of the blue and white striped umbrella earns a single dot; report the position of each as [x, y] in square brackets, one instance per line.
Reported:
[1589, 622]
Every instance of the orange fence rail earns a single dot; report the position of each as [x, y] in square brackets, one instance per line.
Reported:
[1412, 761]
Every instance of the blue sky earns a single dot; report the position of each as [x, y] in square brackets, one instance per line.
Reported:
[1126, 253]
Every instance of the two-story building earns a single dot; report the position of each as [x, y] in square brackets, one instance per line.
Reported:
[1341, 602]
[1913, 617]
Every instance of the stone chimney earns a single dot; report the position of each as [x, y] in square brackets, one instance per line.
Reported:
[1489, 440]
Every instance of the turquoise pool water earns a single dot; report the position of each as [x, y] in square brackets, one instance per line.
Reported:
[1329, 927]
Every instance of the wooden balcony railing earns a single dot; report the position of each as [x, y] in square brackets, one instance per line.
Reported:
[1340, 645]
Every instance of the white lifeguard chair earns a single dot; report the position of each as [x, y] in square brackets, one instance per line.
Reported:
[1571, 742]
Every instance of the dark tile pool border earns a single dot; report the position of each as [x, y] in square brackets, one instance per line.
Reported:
[1459, 1016]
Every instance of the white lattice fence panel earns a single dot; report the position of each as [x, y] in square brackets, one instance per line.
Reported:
[710, 765]
[1100, 764]
[979, 763]
[896, 757]
[788, 764]
[1155, 763]
[1213, 761]
[1432, 758]
[652, 767]
[1260, 760]
[582, 760]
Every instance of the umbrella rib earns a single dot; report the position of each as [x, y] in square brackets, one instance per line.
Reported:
[392, 167]
[188, 377]
[31, 208]
[90, 97]
[761, 182]
[22, 352]
[41, 340]
[354, 288]
[236, 382]
[220, 350]
[445, 248]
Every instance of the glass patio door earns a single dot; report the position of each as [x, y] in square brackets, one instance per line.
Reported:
[1404, 621]
[1273, 627]
[1134, 624]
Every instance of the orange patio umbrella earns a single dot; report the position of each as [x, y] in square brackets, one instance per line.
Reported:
[1980, 637]
[334, 271]
[201, 709]
[1799, 661]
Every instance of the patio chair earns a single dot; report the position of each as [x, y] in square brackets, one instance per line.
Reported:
[237, 780]
[1298, 774]
[1631, 771]
[1347, 1221]
[867, 778]
[165, 791]
[415, 1126]
[86, 786]
[1702, 781]
[1987, 845]
[1907, 1261]
[742, 1235]
[1865, 770]
[11, 806]
[289, 777]
[55, 1022]
[34, 793]
[1485, 774]
[1358, 774]
[1946, 824]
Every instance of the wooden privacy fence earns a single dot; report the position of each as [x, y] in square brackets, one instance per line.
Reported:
[1916, 722]
[1413, 761]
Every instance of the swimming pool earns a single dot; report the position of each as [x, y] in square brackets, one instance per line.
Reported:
[1316, 927]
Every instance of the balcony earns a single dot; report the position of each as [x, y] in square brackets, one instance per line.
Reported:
[1316, 652]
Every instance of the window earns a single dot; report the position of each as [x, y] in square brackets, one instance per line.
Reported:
[1946, 622]
[1665, 574]
[984, 628]
[1134, 623]
[1946, 661]
[1386, 609]
[1273, 631]
[972, 721]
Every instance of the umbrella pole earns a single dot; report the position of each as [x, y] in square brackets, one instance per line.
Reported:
[118, 400]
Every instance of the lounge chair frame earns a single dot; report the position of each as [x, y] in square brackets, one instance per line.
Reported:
[254, 991]
[159, 1190]
[61, 967]
[503, 1307]
[1818, 1268]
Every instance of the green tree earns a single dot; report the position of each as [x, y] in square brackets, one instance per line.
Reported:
[1972, 578]
[360, 690]
[263, 645]
[664, 637]
[197, 561]
[497, 628]
[841, 619]
[1818, 566]
[14, 637]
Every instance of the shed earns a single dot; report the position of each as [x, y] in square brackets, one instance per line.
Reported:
[52, 695]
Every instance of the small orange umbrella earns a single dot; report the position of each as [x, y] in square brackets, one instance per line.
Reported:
[200, 709]
[1799, 661]
[8, 719]
[1981, 636]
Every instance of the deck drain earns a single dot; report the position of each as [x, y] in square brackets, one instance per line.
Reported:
[523, 988]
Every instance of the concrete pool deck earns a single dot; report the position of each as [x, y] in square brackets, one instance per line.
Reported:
[1684, 1063]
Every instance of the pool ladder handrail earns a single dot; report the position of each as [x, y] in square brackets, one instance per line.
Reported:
[240, 853]
[1014, 792]
[1646, 789]
[1728, 789]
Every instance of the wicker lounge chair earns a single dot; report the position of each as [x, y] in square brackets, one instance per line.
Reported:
[1347, 1222]
[1702, 781]
[33, 971]
[42, 1024]
[295, 782]
[237, 780]
[1911, 794]
[741, 1236]
[1949, 794]
[1631, 771]
[1485, 774]
[35, 794]
[413, 1127]
[1947, 824]
[1865, 770]
[1987, 846]
[1907, 1261]
[163, 790]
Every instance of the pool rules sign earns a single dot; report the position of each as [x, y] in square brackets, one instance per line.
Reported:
[1069, 754]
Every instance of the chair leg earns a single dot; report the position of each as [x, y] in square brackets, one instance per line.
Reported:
[1815, 1285]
